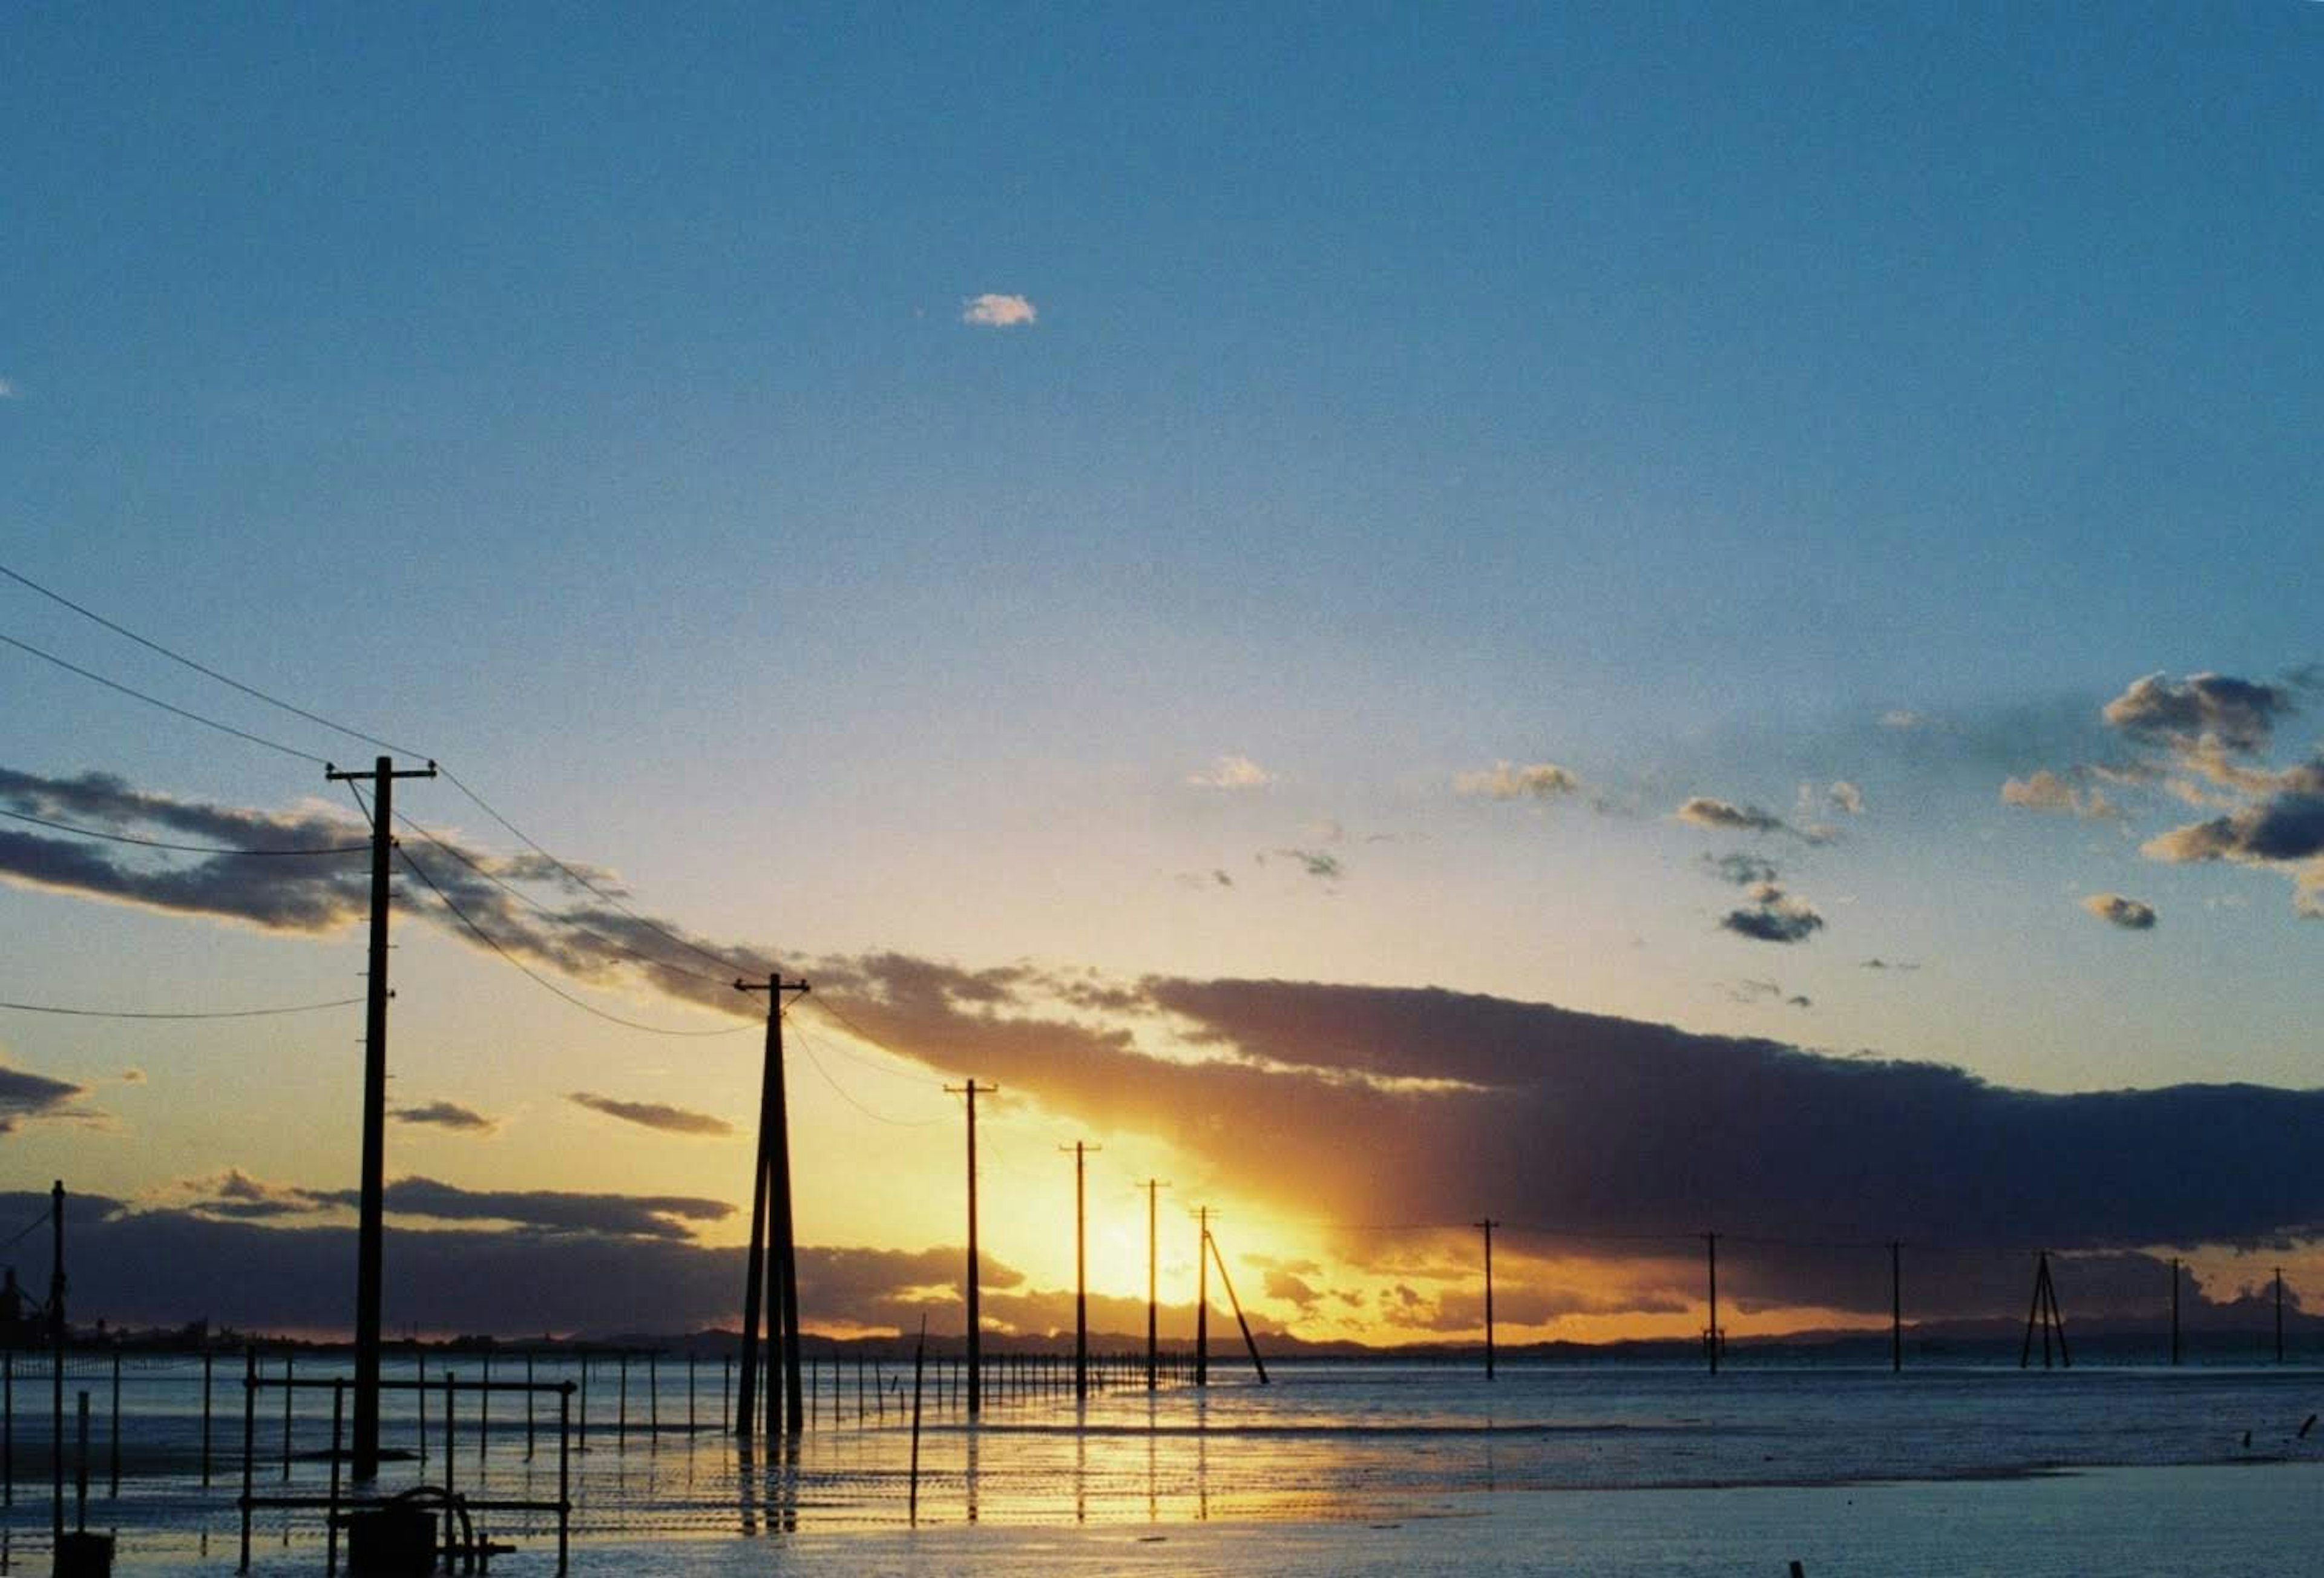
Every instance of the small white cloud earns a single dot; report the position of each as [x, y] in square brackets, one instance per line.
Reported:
[1846, 797]
[994, 310]
[1232, 773]
[8, 390]
[1903, 718]
[2130, 914]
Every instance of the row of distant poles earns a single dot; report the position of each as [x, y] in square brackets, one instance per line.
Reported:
[771, 1267]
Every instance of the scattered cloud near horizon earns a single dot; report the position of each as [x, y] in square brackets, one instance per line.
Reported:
[1774, 915]
[995, 310]
[1537, 780]
[655, 1115]
[26, 1097]
[448, 1115]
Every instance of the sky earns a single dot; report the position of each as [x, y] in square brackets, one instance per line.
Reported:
[1635, 621]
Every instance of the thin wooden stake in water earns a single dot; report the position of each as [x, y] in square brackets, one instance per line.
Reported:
[2278, 1315]
[249, 1451]
[331, 1516]
[1711, 1335]
[80, 1476]
[919, 1362]
[1896, 1306]
[206, 1418]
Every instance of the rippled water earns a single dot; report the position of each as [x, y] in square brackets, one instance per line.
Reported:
[1326, 1442]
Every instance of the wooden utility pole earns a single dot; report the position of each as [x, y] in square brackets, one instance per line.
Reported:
[1202, 1298]
[1896, 1304]
[2175, 1309]
[770, 1230]
[1151, 1186]
[1488, 1224]
[1081, 1271]
[371, 1208]
[971, 1090]
[1711, 1335]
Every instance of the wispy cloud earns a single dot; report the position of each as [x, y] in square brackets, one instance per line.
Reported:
[27, 1097]
[448, 1115]
[2239, 713]
[1318, 864]
[2130, 914]
[2044, 790]
[1727, 817]
[1537, 780]
[655, 1115]
[1759, 991]
[995, 310]
[1742, 870]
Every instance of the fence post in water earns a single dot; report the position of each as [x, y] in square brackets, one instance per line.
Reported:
[249, 1448]
[112, 1492]
[484, 1418]
[528, 1405]
[289, 1392]
[621, 1404]
[584, 1402]
[689, 1391]
[7, 1429]
[206, 1418]
[564, 1472]
[451, 1467]
[726, 1389]
[80, 1475]
[331, 1513]
[653, 1397]
[2278, 1315]
[422, 1395]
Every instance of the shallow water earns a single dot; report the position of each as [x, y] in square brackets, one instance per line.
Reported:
[1329, 1447]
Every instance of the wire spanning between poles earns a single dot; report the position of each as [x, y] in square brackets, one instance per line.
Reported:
[723, 963]
[808, 1046]
[236, 1013]
[177, 848]
[25, 1232]
[205, 670]
[861, 1034]
[513, 892]
[207, 722]
[538, 980]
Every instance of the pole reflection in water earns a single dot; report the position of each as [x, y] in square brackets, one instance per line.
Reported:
[747, 1486]
[969, 1438]
[787, 1485]
[1202, 1459]
[1153, 1502]
[1081, 1462]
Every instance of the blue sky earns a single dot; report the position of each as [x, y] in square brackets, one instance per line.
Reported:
[1669, 395]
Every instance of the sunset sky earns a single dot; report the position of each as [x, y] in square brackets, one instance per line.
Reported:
[1769, 555]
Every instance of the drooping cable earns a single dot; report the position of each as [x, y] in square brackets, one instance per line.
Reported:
[179, 848]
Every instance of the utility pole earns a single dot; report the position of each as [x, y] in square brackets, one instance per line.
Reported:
[371, 1208]
[1081, 1272]
[770, 1228]
[1202, 1299]
[1488, 1224]
[1710, 1337]
[2175, 1309]
[1896, 1306]
[57, 1360]
[2278, 1315]
[1149, 1187]
[971, 1090]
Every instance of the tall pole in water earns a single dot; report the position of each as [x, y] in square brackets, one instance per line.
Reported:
[1710, 1337]
[971, 1090]
[770, 1207]
[2175, 1309]
[1151, 1348]
[372, 1208]
[1202, 1299]
[1081, 1272]
[1896, 1304]
[2278, 1315]
[1488, 1224]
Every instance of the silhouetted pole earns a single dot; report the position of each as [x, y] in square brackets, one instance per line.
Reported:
[1488, 1224]
[2278, 1315]
[1251, 1345]
[1202, 1299]
[771, 1214]
[1081, 1272]
[2175, 1309]
[976, 1335]
[1710, 1341]
[371, 1208]
[1151, 1186]
[1896, 1304]
[57, 1356]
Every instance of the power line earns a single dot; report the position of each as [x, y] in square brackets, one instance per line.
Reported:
[808, 1047]
[207, 723]
[26, 1230]
[239, 1013]
[203, 669]
[850, 1027]
[181, 848]
[523, 897]
[693, 948]
[545, 985]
